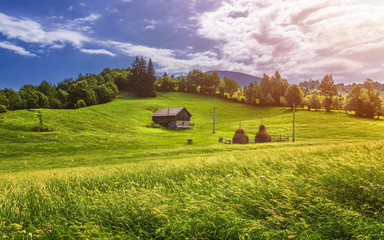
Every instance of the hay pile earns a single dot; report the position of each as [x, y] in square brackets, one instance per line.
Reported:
[262, 135]
[240, 137]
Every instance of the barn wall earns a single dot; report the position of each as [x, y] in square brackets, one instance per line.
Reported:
[183, 116]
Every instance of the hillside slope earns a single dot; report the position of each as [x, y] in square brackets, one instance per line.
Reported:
[118, 132]
[104, 174]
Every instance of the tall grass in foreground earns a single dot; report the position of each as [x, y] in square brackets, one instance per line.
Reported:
[312, 192]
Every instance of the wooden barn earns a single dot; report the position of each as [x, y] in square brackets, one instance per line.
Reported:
[172, 117]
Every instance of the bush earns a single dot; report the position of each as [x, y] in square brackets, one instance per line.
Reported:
[80, 104]
[3, 109]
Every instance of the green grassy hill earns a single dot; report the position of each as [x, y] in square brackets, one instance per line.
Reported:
[104, 172]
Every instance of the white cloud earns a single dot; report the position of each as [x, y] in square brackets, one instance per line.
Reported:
[16, 49]
[150, 27]
[97, 51]
[126, 0]
[70, 8]
[140, 50]
[112, 10]
[58, 46]
[151, 24]
[79, 24]
[298, 37]
[91, 18]
[32, 32]
[175, 61]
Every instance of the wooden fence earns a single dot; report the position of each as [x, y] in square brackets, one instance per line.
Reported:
[274, 138]
[279, 138]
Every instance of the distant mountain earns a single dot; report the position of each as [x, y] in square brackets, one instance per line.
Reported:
[241, 78]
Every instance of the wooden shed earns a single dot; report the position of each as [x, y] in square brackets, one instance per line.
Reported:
[172, 117]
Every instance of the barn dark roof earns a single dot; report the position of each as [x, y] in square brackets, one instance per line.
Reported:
[168, 112]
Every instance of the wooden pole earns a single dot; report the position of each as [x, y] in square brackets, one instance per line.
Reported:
[214, 119]
[293, 129]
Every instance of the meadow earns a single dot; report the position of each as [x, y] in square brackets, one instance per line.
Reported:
[105, 172]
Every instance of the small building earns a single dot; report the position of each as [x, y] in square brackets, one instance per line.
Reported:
[172, 117]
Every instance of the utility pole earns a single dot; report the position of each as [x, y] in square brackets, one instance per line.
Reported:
[293, 129]
[214, 119]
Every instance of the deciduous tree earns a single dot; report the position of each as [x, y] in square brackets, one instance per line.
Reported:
[328, 90]
[294, 95]
[231, 86]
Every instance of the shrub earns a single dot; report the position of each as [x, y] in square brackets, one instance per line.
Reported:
[40, 117]
[3, 109]
[80, 104]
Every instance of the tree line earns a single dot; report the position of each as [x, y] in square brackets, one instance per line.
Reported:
[86, 90]
[140, 79]
[274, 90]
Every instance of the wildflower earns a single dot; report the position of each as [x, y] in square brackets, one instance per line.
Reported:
[4, 236]
[94, 215]
[37, 232]
[49, 227]
[49, 231]
[193, 238]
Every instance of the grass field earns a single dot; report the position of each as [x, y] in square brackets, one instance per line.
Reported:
[105, 173]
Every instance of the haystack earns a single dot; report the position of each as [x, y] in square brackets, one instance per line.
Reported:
[262, 135]
[240, 137]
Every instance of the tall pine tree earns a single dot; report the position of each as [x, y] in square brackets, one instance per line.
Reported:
[143, 78]
[150, 80]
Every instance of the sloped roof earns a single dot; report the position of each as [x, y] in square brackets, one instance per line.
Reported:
[168, 112]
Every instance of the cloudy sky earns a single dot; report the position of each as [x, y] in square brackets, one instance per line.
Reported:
[57, 39]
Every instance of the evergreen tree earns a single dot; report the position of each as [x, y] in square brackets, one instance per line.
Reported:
[278, 87]
[139, 69]
[143, 78]
[150, 80]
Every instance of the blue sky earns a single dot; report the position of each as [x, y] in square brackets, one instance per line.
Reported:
[56, 39]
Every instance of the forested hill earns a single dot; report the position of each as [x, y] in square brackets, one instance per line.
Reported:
[241, 78]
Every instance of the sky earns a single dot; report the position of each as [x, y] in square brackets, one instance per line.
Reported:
[54, 40]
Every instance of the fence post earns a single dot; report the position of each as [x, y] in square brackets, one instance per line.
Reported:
[293, 128]
[214, 119]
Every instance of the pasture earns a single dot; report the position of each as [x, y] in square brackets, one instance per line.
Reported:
[105, 172]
